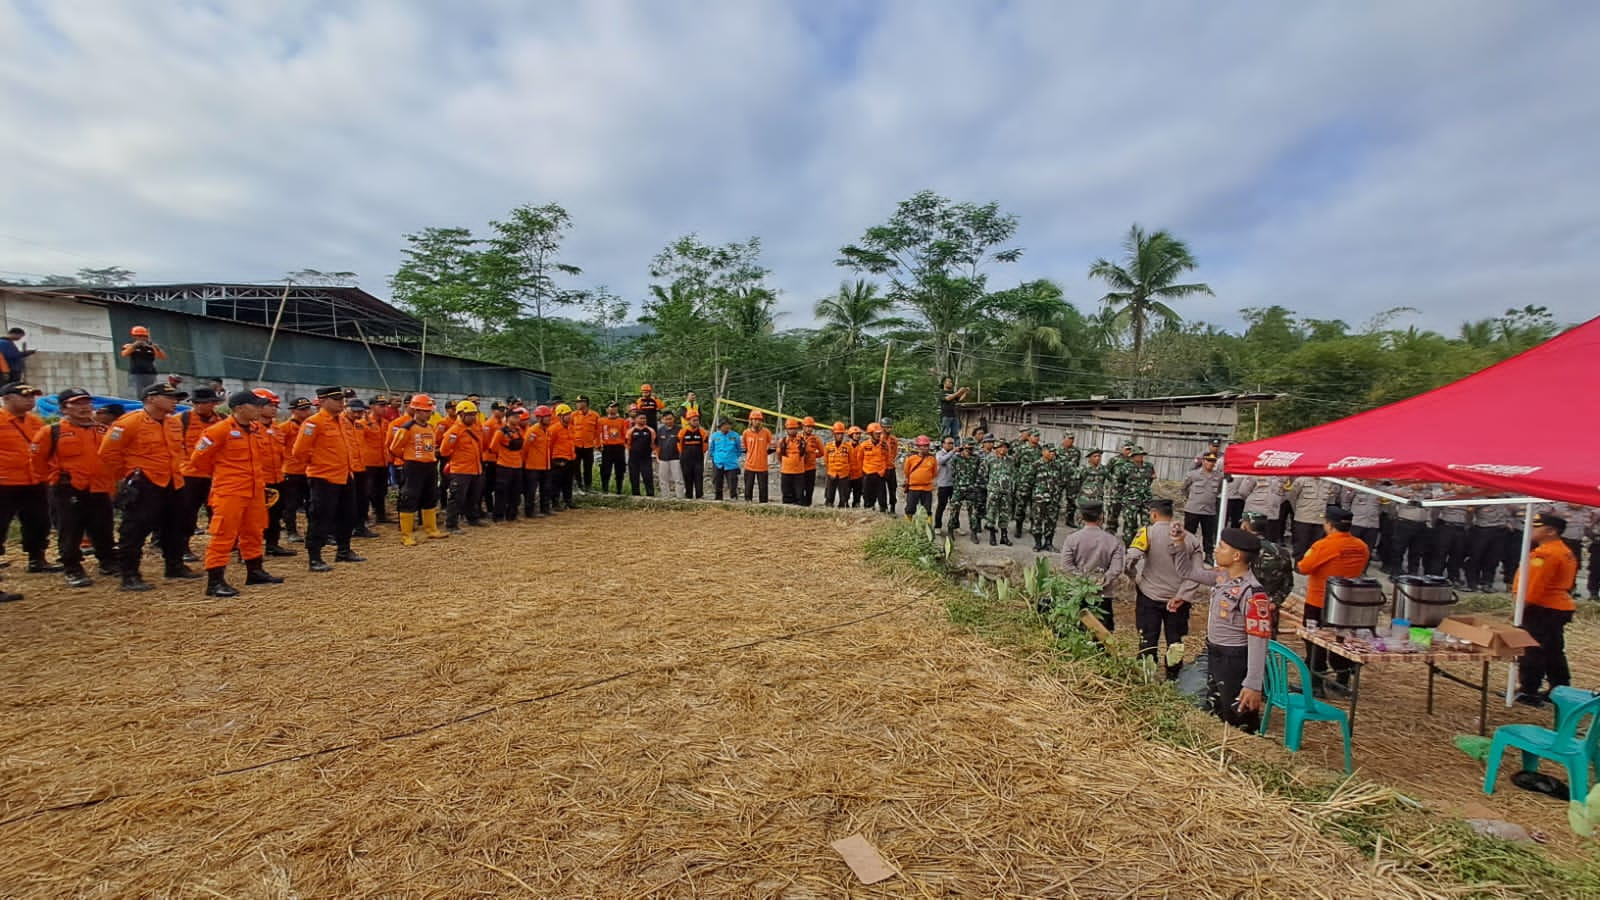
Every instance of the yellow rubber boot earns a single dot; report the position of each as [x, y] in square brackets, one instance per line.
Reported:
[430, 524]
[408, 529]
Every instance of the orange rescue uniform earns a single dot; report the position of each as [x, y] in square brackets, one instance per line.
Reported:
[536, 448]
[153, 446]
[585, 429]
[757, 444]
[1552, 571]
[613, 432]
[16, 448]
[75, 457]
[921, 472]
[875, 458]
[561, 443]
[324, 448]
[1339, 555]
[794, 455]
[836, 456]
[232, 455]
[463, 447]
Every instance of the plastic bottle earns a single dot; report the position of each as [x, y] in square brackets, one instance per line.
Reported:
[1400, 629]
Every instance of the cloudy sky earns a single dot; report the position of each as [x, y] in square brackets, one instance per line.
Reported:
[1339, 158]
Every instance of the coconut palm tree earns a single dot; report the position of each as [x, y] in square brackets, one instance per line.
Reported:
[1143, 283]
[850, 319]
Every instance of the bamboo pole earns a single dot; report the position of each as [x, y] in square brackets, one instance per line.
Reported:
[272, 337]
[372, 356]
[422, 365]
[883, 383]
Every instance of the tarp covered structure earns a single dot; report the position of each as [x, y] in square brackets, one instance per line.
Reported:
[1527, 426]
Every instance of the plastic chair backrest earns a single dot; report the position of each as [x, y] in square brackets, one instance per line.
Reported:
[1589, 711]
[1280, 659]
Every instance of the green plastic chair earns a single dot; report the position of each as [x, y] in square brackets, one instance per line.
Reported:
[1299, 707]
[1564, 745]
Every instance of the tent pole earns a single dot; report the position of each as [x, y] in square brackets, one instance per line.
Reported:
[1522, 593]
[1222, 505]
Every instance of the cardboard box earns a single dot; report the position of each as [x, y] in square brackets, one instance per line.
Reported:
[1503, 640]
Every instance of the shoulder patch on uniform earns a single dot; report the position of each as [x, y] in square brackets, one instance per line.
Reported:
[1536, 561]
[235, 433]
[115, 434]
[205, 443]
[308, 428]
[1141, 541]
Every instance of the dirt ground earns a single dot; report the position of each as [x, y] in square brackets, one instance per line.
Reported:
[609, 703]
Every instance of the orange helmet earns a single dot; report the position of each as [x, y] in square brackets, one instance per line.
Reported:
[855, 429]
[267, 395]
[646, 387]
[792, 423]
[809, 421]
[543, 411]
[874, 428]
[757, 416]
[422, 402]
[838, 428]
[139, 331]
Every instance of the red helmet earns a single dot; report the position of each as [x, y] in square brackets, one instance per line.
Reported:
[923, 441]
[267, 395]
[543, 411]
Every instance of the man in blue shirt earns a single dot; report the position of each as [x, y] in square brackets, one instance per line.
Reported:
[726, 448]
[14, 357]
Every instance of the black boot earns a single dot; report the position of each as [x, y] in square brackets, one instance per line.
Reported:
[316, 563]
[992, 541]
[345, 554]
[974, 532]
[135, 583]
[40, 564]
[255, 573]
[1005, 537]
[1019, 528]
[1038, 542]
[216, 586]
[277, 551]
[1050, 541]
[182, 572]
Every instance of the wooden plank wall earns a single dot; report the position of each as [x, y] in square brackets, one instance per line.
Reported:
[1172, 436]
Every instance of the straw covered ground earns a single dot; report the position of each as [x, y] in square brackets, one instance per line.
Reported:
[610, 703]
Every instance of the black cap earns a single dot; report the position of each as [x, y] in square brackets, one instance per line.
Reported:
[379, 400]
[245, 398]
[163, 389]
[1338, 514]
[356, 405]
[327, 392]
[1552, 520]
[1159, 504]
[1239, 539]
[1090, 506]
[1216, 442]
[71, 394]
[21, 390]
[206, 395]
[300, 403]
[581, 399]
[115, 409]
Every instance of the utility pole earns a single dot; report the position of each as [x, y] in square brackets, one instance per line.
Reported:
[883, 383]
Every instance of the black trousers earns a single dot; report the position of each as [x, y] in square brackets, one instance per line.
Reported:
[585, 471]
[274, 531]
[751, 480]
[508, 485]
[641, 467]
[857, 491]
[719, 477]
[419, 487]
[836, 489]
[358, 490]
[890, 486]
[1449, 550]
[1576, 546]
[613, 459]
[1411, 540]
[31, 504]
[1486, 551]
[1548, 661]
[1203, 524]
[694, 476]
[331, 517]
[1273, 529]
[291, 501]
[872, 492]
[1305, 534]
[535, 491]
[1594, 571]
[489, 481]
[1368, 534]
[378, 492]
[808, 486]
[466, 492]
[196, 491]
[1318, 658]
[149, 509]
[1151, 617]
[1226, 669]
[789, 485]
[562, 473]
[945, 493]
[1235, 511]
[915, 499]
[80, 513]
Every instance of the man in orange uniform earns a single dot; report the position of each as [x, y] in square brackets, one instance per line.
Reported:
[922, 469]
[808, 487]
[536, 464]
[237, 460]
[358, 425]
[375, 466]
[875, 465]
[411, 441]
[144, 451]
[326, 449]
[505, 448]
[267, 431]
[836, 462]
[293, 492]
[1552, 571]
[463, 447]
[649, 404]
[585, 438]
[201, 415]
[757, 446]
[692, 442]
[22, 493]
[66, 457]
[892, 465]
[1339, 554]
[563, 454]
[613, 447]
[857, 473]
[489, 477]
[794, 458]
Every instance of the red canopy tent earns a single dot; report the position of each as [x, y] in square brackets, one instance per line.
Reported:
[1529, 425]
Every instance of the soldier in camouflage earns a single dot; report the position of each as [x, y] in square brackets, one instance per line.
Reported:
[1274, 567]
[1002, 496]
[964, 471]
[985, 456]
[1138, 487]
[1025, 457]
[1117, 471]
[1070, 459]
[1045, 507]
[1094, 479]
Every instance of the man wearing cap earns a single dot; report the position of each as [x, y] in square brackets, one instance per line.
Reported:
[1096, 553]
[141, 354]
[1202, 492]
[1093, 478]
[1044, 506]
[1001, 497]
[794, 458]
[233, 459]
[201, 415]
[1338, 554]
[1070, 459]
[922, 473]
[585, 438]
[965, 473]
[1238, 624]
[325, 449]
[668, 469]
[692, 442]
[726, 448]
[836, 463]
[1552, 571]
[144, 451]
[985, 456]
[649, 404]
[1162, 598]
[808, 485]
[1116, 469]
[462, 449]
[858, 472]
[563, 455]
[875, 461]
[536, 464]
[23, 493]
[757, 442]
[66, 458]
[1138, 487]
[614, 447]
[294, 492]
[412, 441]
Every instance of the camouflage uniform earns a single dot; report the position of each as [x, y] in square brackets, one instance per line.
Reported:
[1138, 486]
[1002, 497]
[964, 472]
[1026, 456]
[1070, 459]
[1094, 482]
[1049, 477]
[1116, 472]
[1274, 568]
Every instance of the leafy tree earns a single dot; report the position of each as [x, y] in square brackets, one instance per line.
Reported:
[440, 280]
[851, 320]
[1145, 280]
[110, 276]
[521, 264]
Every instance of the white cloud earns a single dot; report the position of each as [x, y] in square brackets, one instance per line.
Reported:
[1333, 157]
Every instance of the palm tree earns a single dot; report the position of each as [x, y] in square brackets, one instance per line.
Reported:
[1037, 324]
[1143, 282]
[850, 319]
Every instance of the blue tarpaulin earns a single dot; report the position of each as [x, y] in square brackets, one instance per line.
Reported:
[47, 405]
